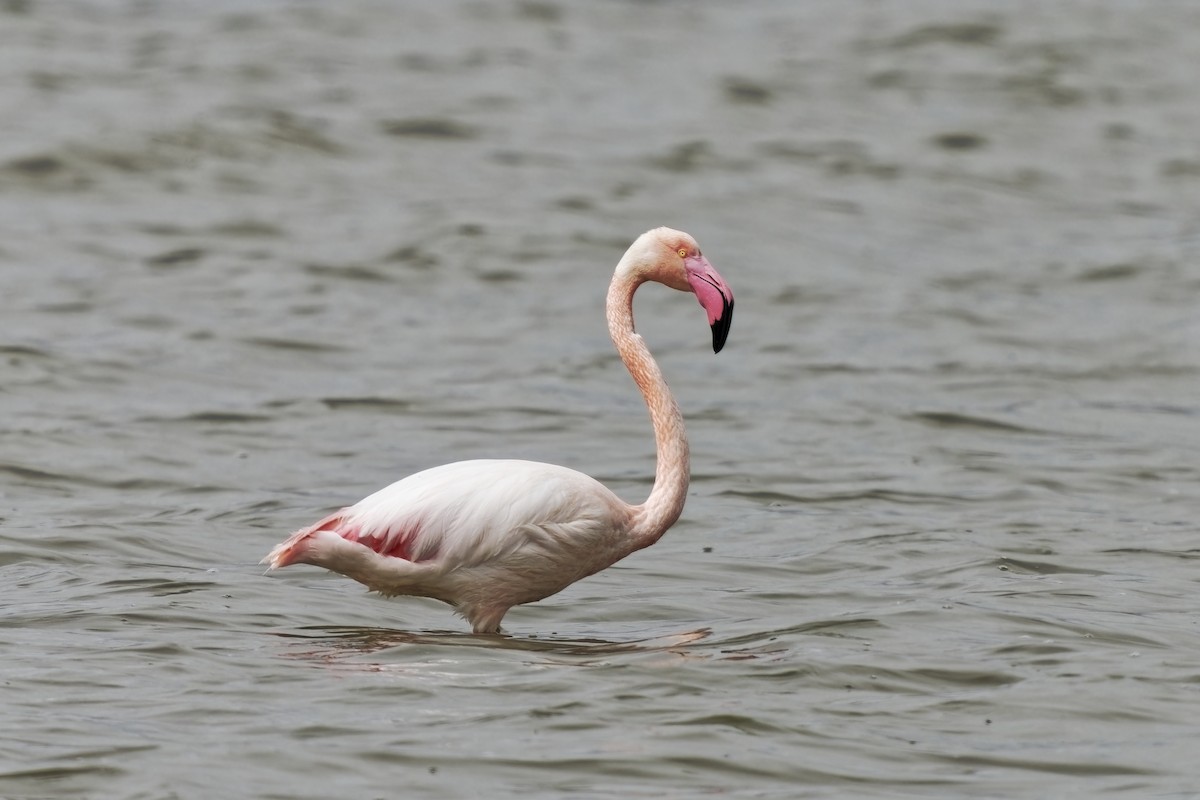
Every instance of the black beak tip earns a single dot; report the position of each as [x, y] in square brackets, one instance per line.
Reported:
[720, 328]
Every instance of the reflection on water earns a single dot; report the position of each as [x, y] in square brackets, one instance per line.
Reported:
[260, 260]
[340, 645]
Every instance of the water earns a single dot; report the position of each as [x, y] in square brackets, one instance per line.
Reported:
[259, 260]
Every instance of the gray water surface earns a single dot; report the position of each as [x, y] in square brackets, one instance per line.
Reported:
[260, 259]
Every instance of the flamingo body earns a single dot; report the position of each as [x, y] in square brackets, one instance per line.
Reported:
[481, 535]
[486, 535]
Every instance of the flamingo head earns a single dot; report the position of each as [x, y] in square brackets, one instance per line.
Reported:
[673, 258]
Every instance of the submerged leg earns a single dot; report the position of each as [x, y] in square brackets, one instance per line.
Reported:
[484, 619]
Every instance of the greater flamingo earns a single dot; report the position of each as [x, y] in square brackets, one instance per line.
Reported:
[487, 535]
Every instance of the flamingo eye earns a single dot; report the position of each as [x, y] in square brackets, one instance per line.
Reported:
[683, 252]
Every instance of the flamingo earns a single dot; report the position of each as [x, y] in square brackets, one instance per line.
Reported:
[486, 535]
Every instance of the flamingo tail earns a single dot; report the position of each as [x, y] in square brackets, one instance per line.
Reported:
[293, 549]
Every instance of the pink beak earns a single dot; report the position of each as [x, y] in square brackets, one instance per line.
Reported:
[714, 295]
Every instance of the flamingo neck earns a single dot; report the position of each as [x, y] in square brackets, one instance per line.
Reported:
[665, 503]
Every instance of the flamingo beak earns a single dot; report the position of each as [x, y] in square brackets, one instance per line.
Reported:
[714, 295]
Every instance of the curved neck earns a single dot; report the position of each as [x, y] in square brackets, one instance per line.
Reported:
[665, 503]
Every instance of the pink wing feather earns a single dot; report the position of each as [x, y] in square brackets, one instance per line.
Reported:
[398, 542]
